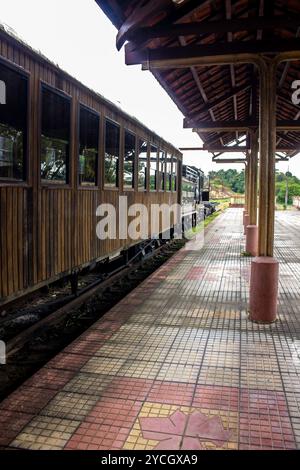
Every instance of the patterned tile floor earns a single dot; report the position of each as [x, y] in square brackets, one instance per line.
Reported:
[176, 364]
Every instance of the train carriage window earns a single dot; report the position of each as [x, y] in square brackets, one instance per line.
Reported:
[142, 165]
[168, 172]
[112, 154]
[55, 138]
[129, 159]
[13, 124]
[153, 168]
[88, 147]
[162, 170]
[174, 174]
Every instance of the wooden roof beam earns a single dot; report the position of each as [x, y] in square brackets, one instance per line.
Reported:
[232, 126]
[286, 66]
[207, 27]
[142, 13]
[216, 149]
[206, 54]
[230, 160]
[241, 160]
[198, 83]
[285, 149]
[234, 91]
[220, 126]
[184, 10]
[212, 139]
[231, 66]
[288, 125]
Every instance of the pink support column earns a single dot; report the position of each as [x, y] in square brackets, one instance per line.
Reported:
[244, 213]
[252, 239]
[263, 289]
[265, 268]
[246, 222]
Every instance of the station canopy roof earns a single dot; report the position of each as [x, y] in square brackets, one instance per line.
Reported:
[220, 102]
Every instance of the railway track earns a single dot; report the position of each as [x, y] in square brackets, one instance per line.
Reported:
[33, 346]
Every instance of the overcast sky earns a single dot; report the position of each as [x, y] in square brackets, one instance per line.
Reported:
[77, 36]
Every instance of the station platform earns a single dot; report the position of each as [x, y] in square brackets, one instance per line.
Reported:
[176, 364]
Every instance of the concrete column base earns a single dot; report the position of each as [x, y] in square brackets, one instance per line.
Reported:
[252, 239]
[263, 289]
[246, 222]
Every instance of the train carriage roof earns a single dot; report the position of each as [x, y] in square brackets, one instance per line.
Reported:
[12, 36]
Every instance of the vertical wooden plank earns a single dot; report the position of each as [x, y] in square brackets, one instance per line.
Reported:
[62, 230]
[25, 239]
[271, 158]
[3, 207]
[39, 237]
[70, 230]
[43, 235]
[9, 242]
[20, 222]
[35, 158]
[54, 231]
[49, 233]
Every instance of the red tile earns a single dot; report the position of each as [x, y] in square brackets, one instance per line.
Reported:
[85, 346]
[127, 388]
[27, 400]
[263, 402]
[95, 335]
[53, 379]
[195, 273]
[112, 411]
[11, 424]
[266, 431]
[102, 329]
[171, 392]
[216, 397]
[68, 361]
[107, 425]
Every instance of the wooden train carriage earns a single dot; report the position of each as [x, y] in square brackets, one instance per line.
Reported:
[63, 151]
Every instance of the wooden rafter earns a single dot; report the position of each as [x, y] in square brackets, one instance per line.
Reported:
[141, 14]
[228, 10]
[184, 54]
[229, 160]
[207, 27]
[232, 126]
[199, 84]
[220, 126]
[216, 149]
[234, 91]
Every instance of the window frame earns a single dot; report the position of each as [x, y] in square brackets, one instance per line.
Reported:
[174, 175]
[168, 176]
[105, 186]
[125, 188]
[152, 144]
[146, 185]
[27, 177]
[69, 163]
[162, 175]
[97, 178]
